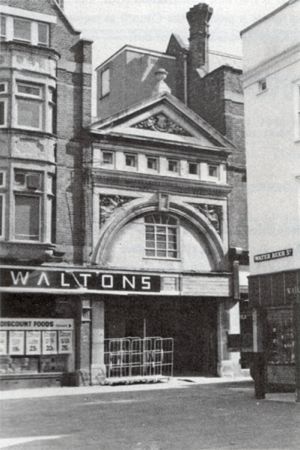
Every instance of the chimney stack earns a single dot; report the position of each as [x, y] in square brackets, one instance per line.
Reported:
[198, 18]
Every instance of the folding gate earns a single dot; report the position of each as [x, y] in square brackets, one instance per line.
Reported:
[135, 358]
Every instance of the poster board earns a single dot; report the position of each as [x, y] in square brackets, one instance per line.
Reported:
[33, 342]
[16, 343]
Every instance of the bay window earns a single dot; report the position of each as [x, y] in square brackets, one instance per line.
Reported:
[29, 105]
[28, 196]
[22, 29]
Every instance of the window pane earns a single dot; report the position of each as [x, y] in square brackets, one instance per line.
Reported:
[22, 29]
[150, 253]
[130, 160]
[2, 113]
[152, 163]
[193, 168]
[43, 34]
[150, 244]
[29, 89]
[29, 113]
[2, 26]
[161, 253]
[213, 171]
[1, 215]
[27, 217]
[107, 158]
[173, 166]
[105, 82]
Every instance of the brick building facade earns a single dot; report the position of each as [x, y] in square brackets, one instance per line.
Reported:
[45, 79]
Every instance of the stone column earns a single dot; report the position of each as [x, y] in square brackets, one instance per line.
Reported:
[98, 370]
[83, 340]
[228, 323]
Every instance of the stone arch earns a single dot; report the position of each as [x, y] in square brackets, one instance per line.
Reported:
[137, 208]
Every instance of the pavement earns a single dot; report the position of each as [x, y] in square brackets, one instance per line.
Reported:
[171, 383]
[190, 413]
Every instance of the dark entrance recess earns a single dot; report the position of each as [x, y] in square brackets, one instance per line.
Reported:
[191, 322]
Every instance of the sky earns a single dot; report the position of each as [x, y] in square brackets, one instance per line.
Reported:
[149, 23]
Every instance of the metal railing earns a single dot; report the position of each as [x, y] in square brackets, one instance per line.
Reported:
[135, 357]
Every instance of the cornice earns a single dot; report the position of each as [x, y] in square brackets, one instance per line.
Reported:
[156, 144]
[154, 183]
[48, 52]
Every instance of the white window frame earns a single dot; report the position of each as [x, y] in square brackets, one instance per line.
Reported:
[197, 169]
[157, 163]
[3, 173]
[3, 35]
[262, 86]
[104, 83]
[177, 162]
[2, 218]
[297, 111]
[23, 237]
[156, 233]
[43, 44]
[21, 189]
[213, 177]
[5, 84]
[106, 164]
[132, 155]
[5, 102]
[30, 26]
[39, 99]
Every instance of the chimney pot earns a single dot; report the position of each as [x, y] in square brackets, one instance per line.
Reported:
[198, 18]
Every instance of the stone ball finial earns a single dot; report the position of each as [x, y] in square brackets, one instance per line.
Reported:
[161, 86]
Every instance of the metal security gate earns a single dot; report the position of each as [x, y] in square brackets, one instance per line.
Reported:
[132, 359]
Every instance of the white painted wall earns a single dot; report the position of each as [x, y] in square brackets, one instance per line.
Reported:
[271, 36]
[273, 150]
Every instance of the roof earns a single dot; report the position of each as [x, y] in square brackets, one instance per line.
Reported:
[164, 102]
[267, 16]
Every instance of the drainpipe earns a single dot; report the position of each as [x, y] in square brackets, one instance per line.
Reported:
[185, 86]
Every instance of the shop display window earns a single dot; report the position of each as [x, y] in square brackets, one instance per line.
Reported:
[280, 337]
[26, 349]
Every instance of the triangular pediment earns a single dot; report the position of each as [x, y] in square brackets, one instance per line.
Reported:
[163, 119]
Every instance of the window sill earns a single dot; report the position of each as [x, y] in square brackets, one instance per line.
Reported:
[104, 96]
[157, 258]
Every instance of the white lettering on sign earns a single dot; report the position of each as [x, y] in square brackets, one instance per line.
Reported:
[127, 282]
[107, 281]
[63, 282]
[273, 255]
[36, 324]
[85, 277]
[43, 279]
[20, 278]
[146, 283]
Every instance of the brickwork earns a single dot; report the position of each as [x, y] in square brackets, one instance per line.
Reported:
[73, 113]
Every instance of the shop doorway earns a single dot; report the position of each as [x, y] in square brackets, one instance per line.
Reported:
[190, 322]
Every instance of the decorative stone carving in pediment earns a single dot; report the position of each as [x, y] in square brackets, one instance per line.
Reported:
[213, 213]
[108, 204]
[160, 122]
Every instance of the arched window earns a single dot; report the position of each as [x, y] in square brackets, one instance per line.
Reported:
[161, 236]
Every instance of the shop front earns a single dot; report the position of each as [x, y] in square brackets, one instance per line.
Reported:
[275, 299]
[57, 322]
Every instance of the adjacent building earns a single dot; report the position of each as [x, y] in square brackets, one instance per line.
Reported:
[45, 95]
[272, 103]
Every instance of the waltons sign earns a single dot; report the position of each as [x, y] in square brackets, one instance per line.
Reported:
[39, 279]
